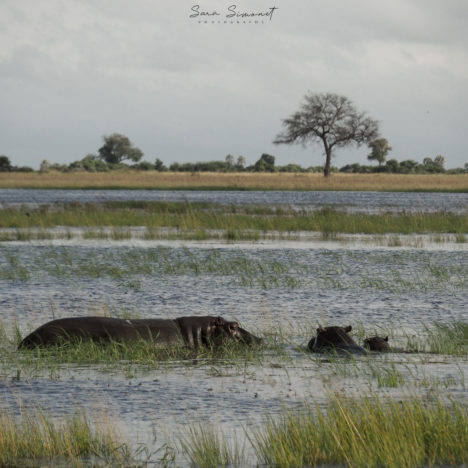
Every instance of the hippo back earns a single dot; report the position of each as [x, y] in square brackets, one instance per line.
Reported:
[101, 329]
[192, 331]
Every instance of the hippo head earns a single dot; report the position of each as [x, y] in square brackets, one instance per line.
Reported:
[377, 343]
[223, 329]
[333, 338]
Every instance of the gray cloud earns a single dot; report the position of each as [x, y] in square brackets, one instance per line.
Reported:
[74, 70]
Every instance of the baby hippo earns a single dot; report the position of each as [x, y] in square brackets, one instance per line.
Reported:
[377, 343]
[380, 344]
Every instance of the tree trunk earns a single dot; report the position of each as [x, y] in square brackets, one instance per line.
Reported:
[326, 170]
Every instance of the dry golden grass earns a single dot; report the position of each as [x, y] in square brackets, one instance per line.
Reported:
[247, 181]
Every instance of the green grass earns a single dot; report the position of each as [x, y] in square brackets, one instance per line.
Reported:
[370, 432]
[388, 376]
[35, 439]
[440, 338]
[204, 446]
[451, 339]
[234, 221]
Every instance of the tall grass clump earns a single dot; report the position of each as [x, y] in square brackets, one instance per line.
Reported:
[449, 338]
[207, 447]
[370, 432]
[388, 377]
[34, 439]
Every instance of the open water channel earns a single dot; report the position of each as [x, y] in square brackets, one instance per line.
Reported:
[278, 290]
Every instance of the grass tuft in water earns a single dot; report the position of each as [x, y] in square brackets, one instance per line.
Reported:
[388, 376]
[207, 447]
[34, 439]
[449, 338]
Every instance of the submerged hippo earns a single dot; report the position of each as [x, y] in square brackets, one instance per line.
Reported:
[380, 345]
[192, 332]
[334, 339]
[377, 343]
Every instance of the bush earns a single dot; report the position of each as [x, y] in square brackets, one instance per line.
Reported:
[22, 169]
[143, 166]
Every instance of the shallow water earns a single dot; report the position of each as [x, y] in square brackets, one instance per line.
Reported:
[369, 202]
[273, 285]
[267, 288]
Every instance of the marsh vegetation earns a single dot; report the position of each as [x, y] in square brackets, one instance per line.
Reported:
[200, 221]
[275, 405]
[34, 438]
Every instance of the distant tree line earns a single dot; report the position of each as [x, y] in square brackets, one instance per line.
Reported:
[6, 166]
[117, 150]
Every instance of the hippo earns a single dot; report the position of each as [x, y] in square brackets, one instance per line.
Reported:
[334, 339]
[377, 343]
[192, 332]
[380, 345]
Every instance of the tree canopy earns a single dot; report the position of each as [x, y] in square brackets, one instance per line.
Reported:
[266, 163]
[117, 148]
[329, 119]
[5, 164]
[380, 149]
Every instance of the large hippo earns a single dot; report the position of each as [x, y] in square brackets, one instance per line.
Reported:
[192, 332]
[334, 339]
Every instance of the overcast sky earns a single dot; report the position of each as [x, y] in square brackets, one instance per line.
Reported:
[72, 71]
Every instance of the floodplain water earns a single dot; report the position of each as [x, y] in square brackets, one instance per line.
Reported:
[279, 290]
[355, 201]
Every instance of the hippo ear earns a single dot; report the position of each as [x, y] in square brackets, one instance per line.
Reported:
[348, 328]
[386, 338]
[320, 329]
[218, 321]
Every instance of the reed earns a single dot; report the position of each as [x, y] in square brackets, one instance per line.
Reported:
[128, 358]
[206, 447]
[451, 339]
[267, 269]
[370, 431]
[387, 376]
[235, 181]
[35, 439]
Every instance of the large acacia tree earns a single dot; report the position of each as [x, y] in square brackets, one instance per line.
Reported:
[329, 119]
